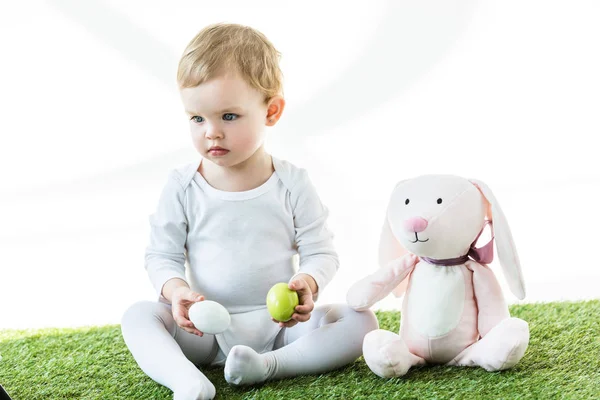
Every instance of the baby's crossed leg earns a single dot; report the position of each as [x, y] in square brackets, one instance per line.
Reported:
[166, 353]
[331, 339]
[169, 355]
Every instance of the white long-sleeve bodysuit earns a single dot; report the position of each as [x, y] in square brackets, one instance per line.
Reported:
[232, 247]
[239, 244]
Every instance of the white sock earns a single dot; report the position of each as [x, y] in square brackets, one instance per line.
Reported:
[201, 389]
[332, 338]
[244, 366]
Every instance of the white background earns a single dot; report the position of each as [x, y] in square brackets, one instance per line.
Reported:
[91, 123]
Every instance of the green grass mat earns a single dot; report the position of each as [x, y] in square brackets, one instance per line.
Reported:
[562, 361]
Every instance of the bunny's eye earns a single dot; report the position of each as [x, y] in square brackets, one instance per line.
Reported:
[406, 201]
[439, 201]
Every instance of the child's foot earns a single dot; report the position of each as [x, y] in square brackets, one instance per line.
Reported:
[199, 390]
[244, 366]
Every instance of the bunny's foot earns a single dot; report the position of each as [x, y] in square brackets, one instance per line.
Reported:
[386, 354]
[500, 349]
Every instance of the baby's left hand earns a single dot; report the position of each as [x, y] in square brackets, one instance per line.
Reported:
[305, 306]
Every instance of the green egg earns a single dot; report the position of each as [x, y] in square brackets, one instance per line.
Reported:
[281, 302]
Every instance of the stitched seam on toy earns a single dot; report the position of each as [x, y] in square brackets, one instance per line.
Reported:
[433, 219]
[389, 361]
[515, 347]
[429, 348]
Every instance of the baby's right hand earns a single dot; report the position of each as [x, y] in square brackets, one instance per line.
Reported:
[182, 299]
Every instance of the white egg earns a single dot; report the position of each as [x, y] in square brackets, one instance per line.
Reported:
[209, 317]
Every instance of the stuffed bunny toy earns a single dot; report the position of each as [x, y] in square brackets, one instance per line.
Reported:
[453, 311]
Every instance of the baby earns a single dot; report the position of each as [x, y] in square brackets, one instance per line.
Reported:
[229, 227]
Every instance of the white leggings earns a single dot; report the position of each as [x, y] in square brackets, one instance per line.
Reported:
[169, 355]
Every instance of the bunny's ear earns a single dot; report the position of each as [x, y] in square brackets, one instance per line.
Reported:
[507, 251]
[390, 249]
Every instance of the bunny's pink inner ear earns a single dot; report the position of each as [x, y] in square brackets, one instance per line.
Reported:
[488, 205]
[488, 209]
[505, 245]
[391, 249]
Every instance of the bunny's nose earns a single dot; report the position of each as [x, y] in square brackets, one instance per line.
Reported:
[416, 224]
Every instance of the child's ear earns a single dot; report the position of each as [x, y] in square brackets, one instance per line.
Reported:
[275, 107]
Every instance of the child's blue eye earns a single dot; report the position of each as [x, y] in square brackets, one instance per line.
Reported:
[230, 117]
[197, 119]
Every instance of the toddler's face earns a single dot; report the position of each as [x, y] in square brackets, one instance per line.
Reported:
[227, 119]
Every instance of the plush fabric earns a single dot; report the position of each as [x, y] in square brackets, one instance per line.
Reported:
[452, 314]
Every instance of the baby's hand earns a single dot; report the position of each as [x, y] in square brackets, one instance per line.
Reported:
[305, 306]
[181, 301]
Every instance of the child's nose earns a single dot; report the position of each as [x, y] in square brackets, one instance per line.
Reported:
[415, 224]
[213, 132]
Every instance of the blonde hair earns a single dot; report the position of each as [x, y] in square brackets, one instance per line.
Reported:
[221, 47]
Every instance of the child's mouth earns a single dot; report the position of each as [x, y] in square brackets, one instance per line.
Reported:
[217, 151]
